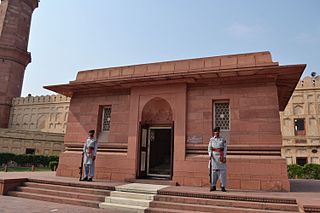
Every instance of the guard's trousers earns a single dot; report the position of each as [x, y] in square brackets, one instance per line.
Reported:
[89, 170]
[219, 174]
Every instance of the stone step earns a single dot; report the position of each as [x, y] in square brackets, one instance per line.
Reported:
[67, 188]
[161, 210]
[74, 195]
[140, 188]
[55, 199]
[152, 181]
[311, 208]
[207, 208]
[89, 185]
[233, 203]
[122, 208]
[127, 201]
[132, 195]
[228, 196]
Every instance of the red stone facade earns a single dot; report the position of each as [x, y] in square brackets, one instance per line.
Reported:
[15, 19]
[182, 94]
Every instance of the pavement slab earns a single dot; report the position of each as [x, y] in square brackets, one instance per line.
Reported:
[21, 205]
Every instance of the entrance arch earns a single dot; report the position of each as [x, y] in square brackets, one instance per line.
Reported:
[156, 140]
[157, 112]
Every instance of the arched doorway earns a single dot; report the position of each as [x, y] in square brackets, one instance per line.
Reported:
[156, 140]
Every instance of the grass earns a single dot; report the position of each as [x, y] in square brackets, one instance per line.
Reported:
[25, 169]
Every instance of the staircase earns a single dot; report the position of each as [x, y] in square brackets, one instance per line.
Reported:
[133, 197]
[138, 198]
[175, 202]
[60, 192]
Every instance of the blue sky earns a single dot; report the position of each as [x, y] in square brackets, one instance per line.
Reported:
[73, 35]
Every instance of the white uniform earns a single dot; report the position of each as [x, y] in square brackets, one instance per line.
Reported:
[217, 147]
[89, 151]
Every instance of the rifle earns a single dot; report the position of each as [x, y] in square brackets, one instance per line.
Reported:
[81, 167]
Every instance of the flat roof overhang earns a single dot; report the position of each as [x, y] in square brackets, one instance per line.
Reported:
[286, 78]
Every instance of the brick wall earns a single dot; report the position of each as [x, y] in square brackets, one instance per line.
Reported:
[254, 122]
[84, 115]
[254, 114]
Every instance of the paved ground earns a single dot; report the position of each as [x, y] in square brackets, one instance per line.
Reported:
[52, 176]
[307, 192]
[21, 205]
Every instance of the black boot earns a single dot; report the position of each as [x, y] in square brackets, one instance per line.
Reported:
[90, 179]
[212, 188]
[223, 189]
[84, 179]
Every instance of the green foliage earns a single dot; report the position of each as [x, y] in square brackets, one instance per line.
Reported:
[24, 160]
[311, 171]
[295, 170]
[6, 157]
[308, 171]
[41, 160]
[27, 160]
[54, 158]
[53, 165]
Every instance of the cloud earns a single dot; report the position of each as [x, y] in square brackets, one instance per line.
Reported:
[243, 30]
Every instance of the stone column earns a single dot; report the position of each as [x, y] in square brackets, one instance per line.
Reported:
[15, 19]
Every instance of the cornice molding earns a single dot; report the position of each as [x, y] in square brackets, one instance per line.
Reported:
[15, 54]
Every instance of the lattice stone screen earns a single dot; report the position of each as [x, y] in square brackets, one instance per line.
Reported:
[106, 119]
[221, 115]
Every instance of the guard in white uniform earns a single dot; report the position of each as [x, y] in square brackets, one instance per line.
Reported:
[89, 156]
[217, 150]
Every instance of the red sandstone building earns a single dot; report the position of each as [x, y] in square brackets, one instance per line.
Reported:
[155, 120]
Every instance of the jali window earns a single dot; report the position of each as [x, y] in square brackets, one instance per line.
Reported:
[106, 118]
[222, 115]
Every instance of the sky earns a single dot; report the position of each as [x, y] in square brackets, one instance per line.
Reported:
[74, 35]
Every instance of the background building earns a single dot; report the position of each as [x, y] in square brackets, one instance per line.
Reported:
[30, 142]
[36, 125]
[40, 113]
[300, 123]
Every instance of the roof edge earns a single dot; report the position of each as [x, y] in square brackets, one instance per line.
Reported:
[255, 59]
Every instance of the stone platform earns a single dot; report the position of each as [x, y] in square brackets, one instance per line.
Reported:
[304, 195]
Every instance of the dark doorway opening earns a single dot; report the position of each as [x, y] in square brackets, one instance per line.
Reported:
[159, 152]
[301, 161]
[30, 151]
[156, 152]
